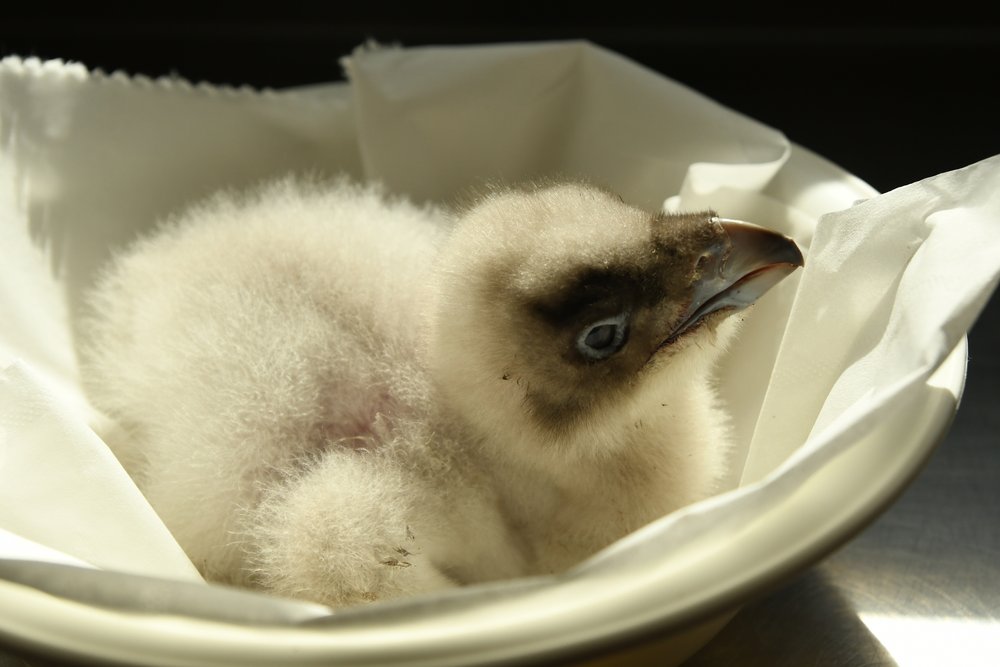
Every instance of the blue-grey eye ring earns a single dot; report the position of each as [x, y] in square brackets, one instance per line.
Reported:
[601, 339]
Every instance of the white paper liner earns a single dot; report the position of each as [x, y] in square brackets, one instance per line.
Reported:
[88, 160]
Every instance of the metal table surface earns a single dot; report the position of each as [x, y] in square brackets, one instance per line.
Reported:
[921, 585]
[891, 100]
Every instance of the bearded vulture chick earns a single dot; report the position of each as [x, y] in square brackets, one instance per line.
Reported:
[333, 394]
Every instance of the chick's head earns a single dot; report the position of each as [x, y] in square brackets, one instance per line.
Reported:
[560, 307]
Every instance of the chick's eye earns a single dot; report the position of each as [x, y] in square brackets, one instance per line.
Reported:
[601, 339]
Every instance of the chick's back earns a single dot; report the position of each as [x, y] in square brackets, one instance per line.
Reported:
[249, 332]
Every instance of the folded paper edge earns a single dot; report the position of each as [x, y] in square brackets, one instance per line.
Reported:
[55, 69]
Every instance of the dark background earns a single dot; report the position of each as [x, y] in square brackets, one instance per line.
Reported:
[891, 97]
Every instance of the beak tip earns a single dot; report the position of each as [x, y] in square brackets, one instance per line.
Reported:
[760, 245]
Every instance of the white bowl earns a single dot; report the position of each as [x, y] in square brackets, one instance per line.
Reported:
[677, 603]
[678, 608]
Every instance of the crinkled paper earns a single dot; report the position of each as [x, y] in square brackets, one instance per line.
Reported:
[87, 161]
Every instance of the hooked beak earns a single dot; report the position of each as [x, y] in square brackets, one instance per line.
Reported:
[735, 273]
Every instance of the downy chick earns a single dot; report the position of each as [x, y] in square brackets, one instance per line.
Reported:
[333, 394]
